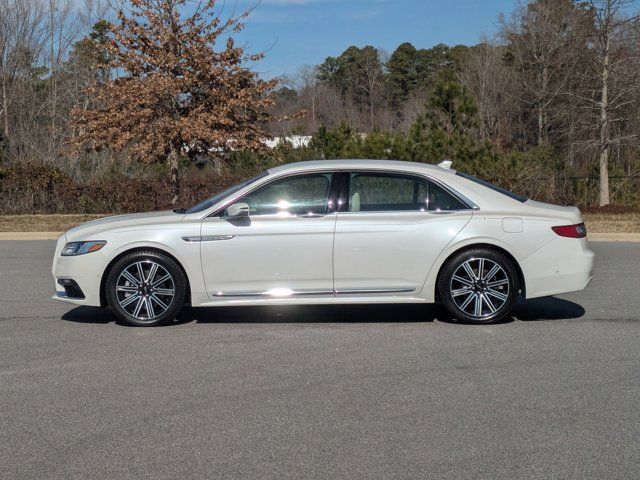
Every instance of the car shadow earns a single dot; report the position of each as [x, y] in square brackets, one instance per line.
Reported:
[380, 313]
[94, 315]
[549, 308]
[384, 313]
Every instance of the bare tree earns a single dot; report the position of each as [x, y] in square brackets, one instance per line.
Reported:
[413, 108]
[541, 47]
[490, 81]
[309, 87]
[369, 64]
[22, 24]
[615, 69]
[63, 30]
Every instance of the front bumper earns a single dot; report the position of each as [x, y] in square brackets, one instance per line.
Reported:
[85, 270]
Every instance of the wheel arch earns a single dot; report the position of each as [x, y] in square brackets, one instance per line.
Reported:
[107, 270]
[489, 246]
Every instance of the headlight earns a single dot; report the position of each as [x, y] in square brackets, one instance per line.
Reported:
[80, 248]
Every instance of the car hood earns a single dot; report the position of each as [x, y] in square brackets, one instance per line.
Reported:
[91, 230]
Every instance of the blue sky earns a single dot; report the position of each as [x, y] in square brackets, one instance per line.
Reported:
[298, 32]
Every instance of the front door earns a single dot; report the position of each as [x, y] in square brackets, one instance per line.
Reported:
[284, 248]
[390, 230]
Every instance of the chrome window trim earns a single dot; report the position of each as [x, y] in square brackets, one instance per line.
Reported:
[219, 211]
[471, 206]
[268, 179]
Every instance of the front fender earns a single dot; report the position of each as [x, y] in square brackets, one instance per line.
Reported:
[171, 242]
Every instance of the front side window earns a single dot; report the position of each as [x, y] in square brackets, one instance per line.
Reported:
[210, 202]
[381, 192]
[299, 195]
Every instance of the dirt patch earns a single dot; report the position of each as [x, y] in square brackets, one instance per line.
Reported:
[612, 222]
[42, 223]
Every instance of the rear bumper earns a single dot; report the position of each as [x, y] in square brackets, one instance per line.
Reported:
[561, 266]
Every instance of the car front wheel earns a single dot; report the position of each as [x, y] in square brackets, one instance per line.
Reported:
[479, 286]
[146, 288]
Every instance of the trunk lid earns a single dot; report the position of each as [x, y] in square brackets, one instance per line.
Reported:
[571, 215]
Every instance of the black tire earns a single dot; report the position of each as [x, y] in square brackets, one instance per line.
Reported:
[124, 296]
[461, 290]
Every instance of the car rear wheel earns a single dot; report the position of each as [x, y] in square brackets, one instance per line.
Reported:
[479, 286]
[146, 289]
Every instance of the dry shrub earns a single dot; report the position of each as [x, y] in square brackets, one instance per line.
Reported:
[45, 189]
[39, 188]
[610, 209]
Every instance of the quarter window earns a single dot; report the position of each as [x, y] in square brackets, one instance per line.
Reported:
[493, 187]
[379, 192]
[299, 195]
[442, 201]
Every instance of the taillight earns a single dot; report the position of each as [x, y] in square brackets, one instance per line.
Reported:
[571, 231]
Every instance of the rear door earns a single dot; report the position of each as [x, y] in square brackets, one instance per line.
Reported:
[390, 229]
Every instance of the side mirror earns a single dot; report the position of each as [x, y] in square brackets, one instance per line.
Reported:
[238, 210]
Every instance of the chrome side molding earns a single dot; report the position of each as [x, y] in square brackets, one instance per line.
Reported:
[287, 292]
[274, 292]
[208, 238]
[349, 291]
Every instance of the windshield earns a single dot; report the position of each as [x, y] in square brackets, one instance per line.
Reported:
[493, 187]
[210, 202]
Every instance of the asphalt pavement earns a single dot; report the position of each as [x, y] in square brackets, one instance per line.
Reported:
[388, 392]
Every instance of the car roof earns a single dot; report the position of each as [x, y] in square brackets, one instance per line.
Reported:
[474, 193]
[359, 165]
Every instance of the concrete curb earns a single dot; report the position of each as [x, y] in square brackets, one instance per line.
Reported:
[593, 237]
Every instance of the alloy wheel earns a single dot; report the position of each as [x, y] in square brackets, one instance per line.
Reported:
[145, 290]
[480, 287]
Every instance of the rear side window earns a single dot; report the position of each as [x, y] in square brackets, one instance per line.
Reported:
[493, 187]
[381, 192]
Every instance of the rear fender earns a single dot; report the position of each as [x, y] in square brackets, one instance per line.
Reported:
[429, 287]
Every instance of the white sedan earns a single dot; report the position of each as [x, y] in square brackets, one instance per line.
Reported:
[328, 232]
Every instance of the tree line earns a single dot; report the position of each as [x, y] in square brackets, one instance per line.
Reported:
[559, 76]
[151, 87]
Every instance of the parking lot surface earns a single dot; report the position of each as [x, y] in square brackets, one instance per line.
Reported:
[320, 392]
